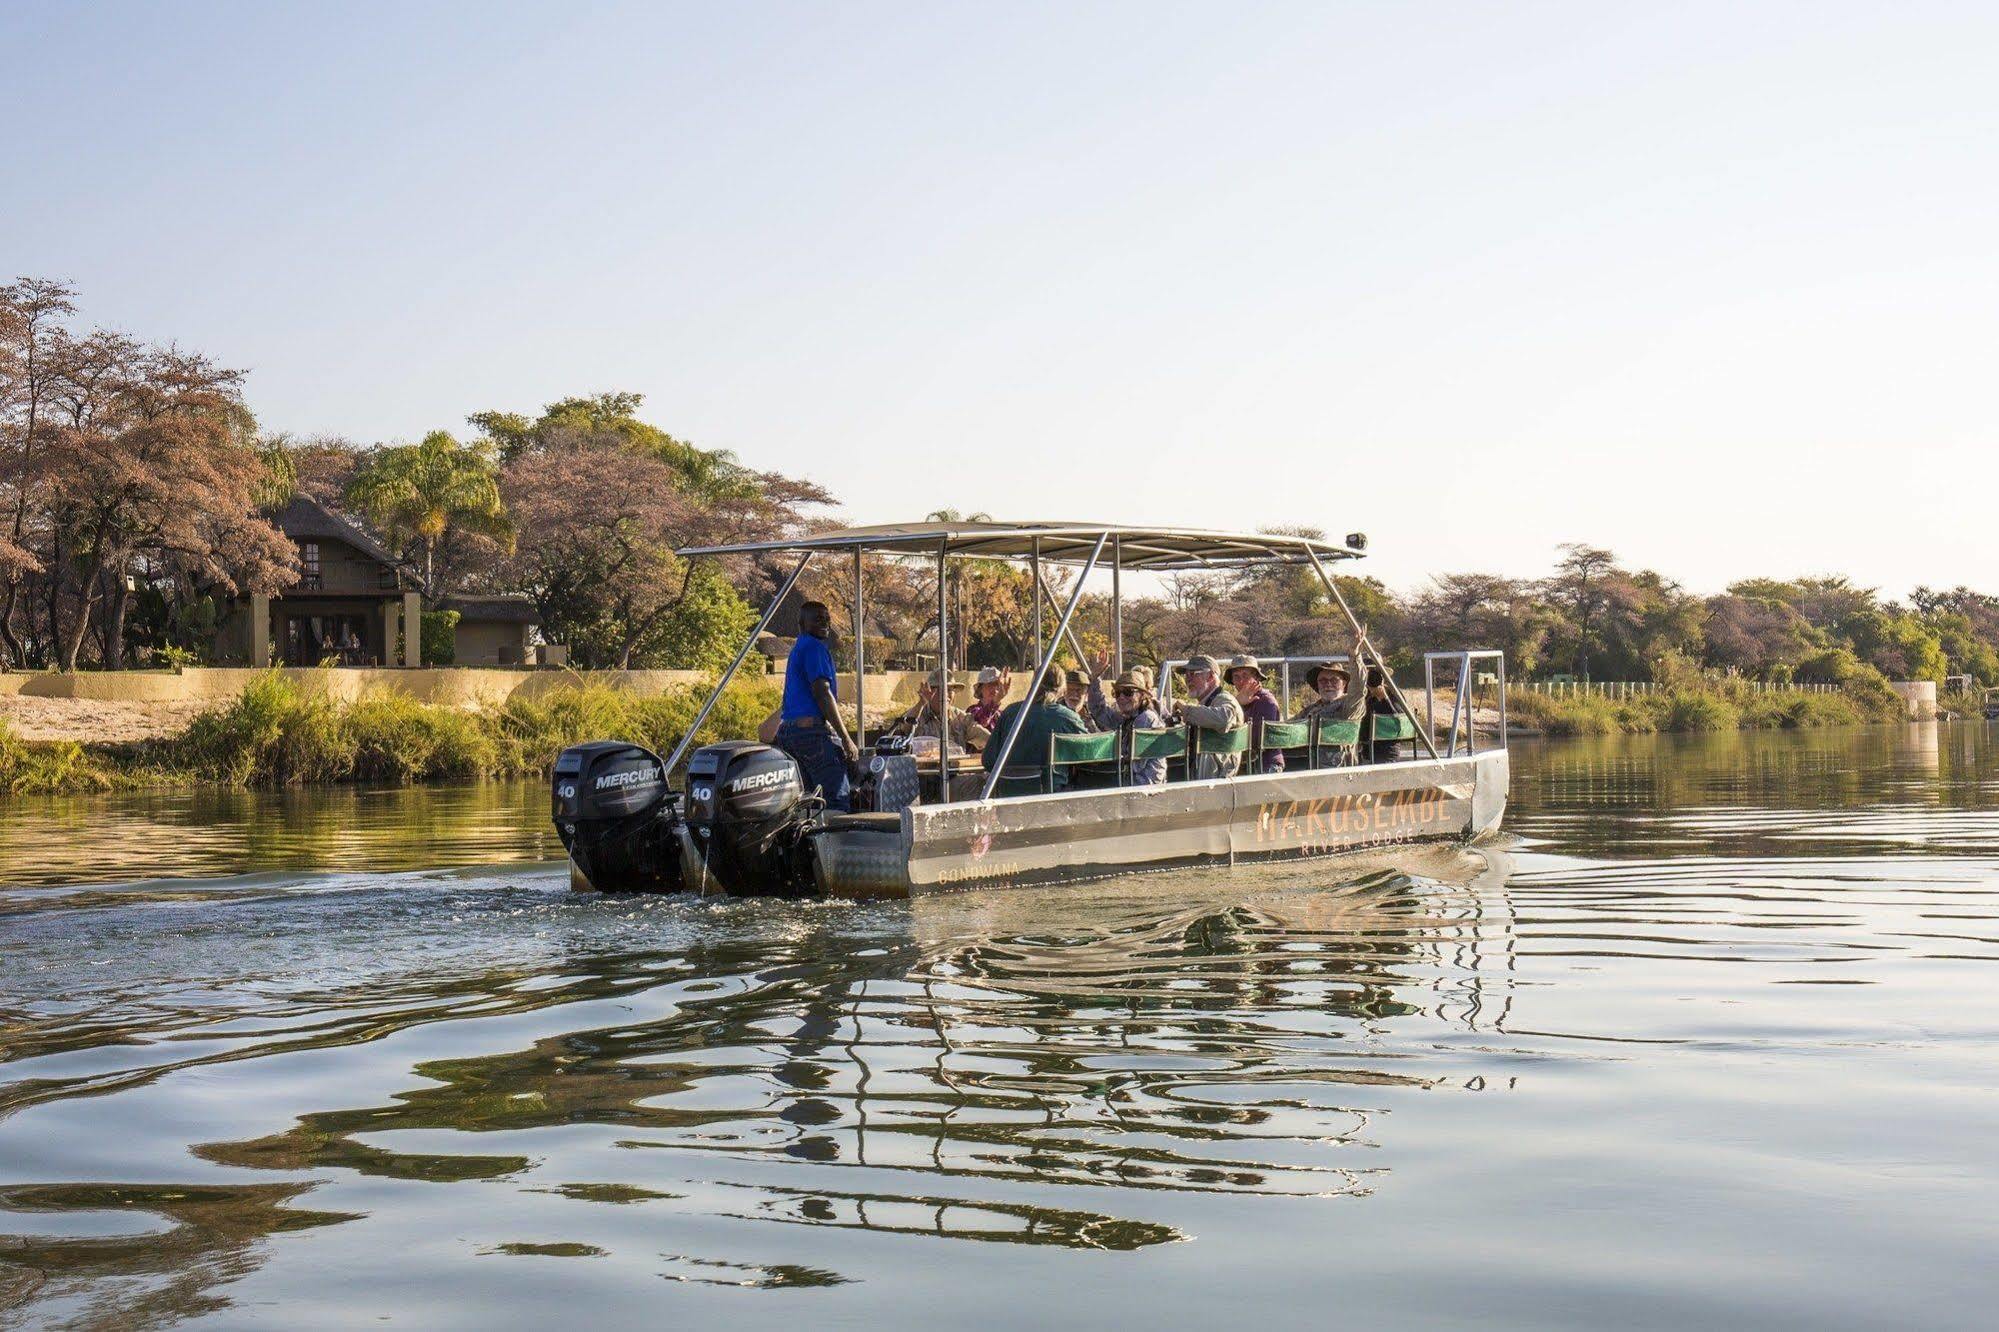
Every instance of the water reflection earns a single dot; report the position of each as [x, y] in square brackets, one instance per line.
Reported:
[332, 1094]
[155, 835]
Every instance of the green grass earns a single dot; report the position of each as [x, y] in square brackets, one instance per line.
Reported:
[1718, 706]
[52, 768]
[276, 734]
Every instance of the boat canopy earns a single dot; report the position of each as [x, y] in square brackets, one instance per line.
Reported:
[1163, 549]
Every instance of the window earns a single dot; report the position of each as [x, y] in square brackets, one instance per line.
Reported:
[308, 559]
[385, 577]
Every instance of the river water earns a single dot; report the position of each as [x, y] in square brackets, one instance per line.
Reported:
[1711, 1038]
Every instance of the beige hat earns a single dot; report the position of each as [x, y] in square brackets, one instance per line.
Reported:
[989, 675]
[1243, 661]
[1136, 678]
[936, 681]
[1323, 667]
[1200, 663]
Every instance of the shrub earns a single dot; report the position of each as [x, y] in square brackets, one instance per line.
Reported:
[437, 635]
[394, 738]
[58, 768]
[271, 734]
[1584, 715]
[1809, 711]
[1691, 710]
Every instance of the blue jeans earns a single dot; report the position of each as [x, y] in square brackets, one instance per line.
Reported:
[820, 760]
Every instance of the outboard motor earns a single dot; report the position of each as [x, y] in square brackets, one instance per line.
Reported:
[616, 818]
[747, 818]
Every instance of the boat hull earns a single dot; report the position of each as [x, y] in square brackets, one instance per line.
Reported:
[1086, 835]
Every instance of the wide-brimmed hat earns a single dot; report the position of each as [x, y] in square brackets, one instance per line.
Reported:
[936, 681]
[1324, 666]
[1075, 679]
[989, 675]
[1243, 661]
[1136, 678]
[1200, 663]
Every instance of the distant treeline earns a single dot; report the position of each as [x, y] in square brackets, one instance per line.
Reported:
[1593, 619]
[136, 492]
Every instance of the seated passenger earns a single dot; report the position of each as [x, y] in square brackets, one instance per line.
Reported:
[1210, 708]
[988, 693]
[1075, 690]
[921, 718]
[1338, 701]
[1380, 703]
[1330, 681]
[1131, 707]
[1259, 705]
[1038, 716]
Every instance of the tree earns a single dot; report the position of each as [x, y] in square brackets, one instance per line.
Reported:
[30, 372]
[155, 460]
[1759, 637]
[1473, 610]
[420, 494]
[1580, 588]
[595, 552]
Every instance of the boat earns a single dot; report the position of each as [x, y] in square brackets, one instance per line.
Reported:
[741, 821]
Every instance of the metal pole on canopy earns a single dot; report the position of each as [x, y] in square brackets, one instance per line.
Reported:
[944, 665]
[1075, 643]
[1035, 559]
[860, 631]
[1117, 608]
[770, 611]
[1047, 658]
[1394, 690]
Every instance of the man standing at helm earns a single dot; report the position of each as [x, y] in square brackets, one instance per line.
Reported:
[810, 727]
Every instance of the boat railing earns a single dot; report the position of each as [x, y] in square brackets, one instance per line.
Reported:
[1463, 697]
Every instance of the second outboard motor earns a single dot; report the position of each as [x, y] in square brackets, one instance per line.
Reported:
[746, 820]
[616, 818]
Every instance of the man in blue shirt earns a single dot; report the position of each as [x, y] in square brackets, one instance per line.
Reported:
[810, 727]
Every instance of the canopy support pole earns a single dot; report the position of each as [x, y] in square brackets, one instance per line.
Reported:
[944, 664]
[1075, 643]
[770, 612]
[1035, 559]
[1117, 609]
[860, 632]
[1047, 658]
[1394, 690]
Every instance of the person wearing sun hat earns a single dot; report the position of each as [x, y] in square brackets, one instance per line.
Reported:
[1132, 705]
[1211, 708]
[1038, 716]
[1338, 700]
[1259, 705]
[989, 695]
[921, 718]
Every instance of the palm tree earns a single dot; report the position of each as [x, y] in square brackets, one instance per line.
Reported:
[421, 493]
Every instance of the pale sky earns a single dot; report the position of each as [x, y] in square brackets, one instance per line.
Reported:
[1714, 285]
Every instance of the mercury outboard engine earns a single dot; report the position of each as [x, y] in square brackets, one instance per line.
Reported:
[617, 818]
[747, 820]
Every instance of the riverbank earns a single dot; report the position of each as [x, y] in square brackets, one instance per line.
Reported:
[282, 732]
[275, 733]
[1708, 706]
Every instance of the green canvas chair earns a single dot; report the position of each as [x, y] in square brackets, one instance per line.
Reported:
[1328, 735]
[1393, 729]
[1283, 738]
[1068, 750]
